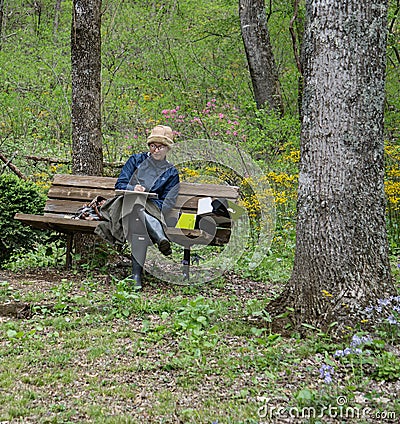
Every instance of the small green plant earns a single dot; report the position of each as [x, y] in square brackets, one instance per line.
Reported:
[194, 317]
[18, 336]
[387, 367]
[40, 256]
[123, 299]
[306, 396]
[62, 292]
[193, 325]
[7, 292]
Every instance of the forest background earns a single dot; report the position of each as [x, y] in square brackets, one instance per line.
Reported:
[179, 63]
[93, 351]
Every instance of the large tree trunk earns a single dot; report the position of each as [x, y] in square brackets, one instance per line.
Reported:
[87, 154]
[341, 259]
[260, 58]
[87, 151]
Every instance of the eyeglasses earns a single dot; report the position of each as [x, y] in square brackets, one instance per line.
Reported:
[156, 148]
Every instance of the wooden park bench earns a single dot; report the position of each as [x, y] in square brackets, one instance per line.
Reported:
[70, 192]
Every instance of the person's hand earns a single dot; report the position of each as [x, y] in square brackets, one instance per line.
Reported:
[139, 187]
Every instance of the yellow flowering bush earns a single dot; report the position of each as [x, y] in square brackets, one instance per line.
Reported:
[284, 189]
[293, 156]
[392, 191]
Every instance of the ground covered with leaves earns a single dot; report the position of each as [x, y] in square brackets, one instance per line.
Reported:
[86, 348]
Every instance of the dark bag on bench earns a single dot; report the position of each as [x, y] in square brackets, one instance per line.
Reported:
[91, 211]
[220, 207]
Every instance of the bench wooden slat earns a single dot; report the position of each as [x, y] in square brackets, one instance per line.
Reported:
[58, 215]
[190, 202]
[57, 223]
[84, 181]
[177, 235]
[77, 193]
[62, 206]
[63, 199]
[212, 190]
[192, 237]
[108, 183]
[188, 237]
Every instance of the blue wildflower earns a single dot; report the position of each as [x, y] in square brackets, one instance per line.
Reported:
[391, 319]
[326, 372]
[357, 340]
[383, 302]
[344, 352]
[353, 349]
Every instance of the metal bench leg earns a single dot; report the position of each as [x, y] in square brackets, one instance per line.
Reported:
[68, 259]
[186, 263]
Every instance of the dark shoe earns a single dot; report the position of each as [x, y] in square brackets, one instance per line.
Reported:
[136, 274]
[137, 282]
[164, 246]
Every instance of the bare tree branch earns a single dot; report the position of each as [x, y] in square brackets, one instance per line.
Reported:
[7, 162]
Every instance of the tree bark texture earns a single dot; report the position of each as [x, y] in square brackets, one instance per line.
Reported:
[341, 258]
[87, 155]
[260, 57]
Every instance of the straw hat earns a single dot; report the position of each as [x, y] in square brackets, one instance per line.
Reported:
[161, 134]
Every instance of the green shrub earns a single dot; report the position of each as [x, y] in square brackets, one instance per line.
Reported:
[17, 196]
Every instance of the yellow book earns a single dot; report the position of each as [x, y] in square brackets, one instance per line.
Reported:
[186, 221]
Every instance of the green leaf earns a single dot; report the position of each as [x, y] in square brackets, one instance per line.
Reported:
[202, 319]
[11, 334]
[305, 395]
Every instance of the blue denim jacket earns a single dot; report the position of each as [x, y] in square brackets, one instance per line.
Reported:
[160, 177]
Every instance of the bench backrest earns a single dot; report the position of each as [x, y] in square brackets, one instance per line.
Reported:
[69, 192]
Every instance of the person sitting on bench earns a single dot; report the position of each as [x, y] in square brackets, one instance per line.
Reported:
[147, 172]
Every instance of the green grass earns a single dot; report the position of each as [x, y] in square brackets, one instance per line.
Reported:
[198, 354]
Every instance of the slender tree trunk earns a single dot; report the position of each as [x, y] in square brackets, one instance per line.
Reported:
[296, 28]
[38, 12]
[260, 58]
[57, 10]
[341, 259]
[87, 155]
[1, 22]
